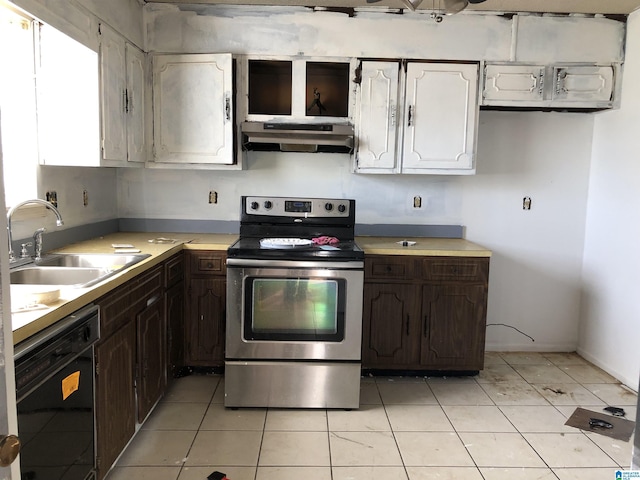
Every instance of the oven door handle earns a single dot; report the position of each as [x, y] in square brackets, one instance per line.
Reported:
[249, 262]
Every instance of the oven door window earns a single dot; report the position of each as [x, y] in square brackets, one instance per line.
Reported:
[303, 309]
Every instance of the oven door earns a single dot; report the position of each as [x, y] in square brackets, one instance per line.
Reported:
[295, 310]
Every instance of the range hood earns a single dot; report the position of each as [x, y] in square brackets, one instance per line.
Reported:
[297, 137]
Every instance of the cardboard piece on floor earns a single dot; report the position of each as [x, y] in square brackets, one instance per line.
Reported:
[622, 428]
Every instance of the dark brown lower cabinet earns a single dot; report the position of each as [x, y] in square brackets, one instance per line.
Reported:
[453, 329]
[424, 313]
[206, 300]
[151, 349]
[174, 301]
[131, 358]
[205, 306]
[115, 395]
[391, 330]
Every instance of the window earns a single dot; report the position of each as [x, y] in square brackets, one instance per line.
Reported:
[18, 106]
[49, 98]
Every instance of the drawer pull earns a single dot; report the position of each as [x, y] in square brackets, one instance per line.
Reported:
[153, 300]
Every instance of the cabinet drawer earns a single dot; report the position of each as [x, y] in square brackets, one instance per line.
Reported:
[212, 263]
[174, 270]
[456, 269]
[389, 268]
[114, 310]
[145, 290]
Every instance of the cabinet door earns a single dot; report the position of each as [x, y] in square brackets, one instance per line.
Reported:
[115, 395]
[152, 366]
[583, 83]
[135, 104]
[377, 116]
[440, 114]
[513, 84]
[205, 322]
[454, 324]
[192, 109]
[175, 330]
[391, 325]
[113, 95]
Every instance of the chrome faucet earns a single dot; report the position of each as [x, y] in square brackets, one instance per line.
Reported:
[50, 206]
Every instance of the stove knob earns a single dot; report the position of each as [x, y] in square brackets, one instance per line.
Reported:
[254, 205]
[342, 208]
[268, 204]
[328, 206]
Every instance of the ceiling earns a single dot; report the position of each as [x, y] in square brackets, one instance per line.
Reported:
[623, 7]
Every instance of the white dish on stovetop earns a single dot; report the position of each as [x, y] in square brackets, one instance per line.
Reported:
[285, 242]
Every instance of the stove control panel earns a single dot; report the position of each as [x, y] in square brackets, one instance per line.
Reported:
[297, 207]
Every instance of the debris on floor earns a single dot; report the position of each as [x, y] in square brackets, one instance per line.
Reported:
[610, 426]
[217, 476]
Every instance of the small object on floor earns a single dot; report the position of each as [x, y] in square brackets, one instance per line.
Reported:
[217, 476]
[599, 423]
[616, 411]
[589, 421]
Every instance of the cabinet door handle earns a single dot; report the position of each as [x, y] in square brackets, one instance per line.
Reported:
[424, 326]
[393, 115]
[407, 325]
[410, 116]
[227, 108]
[153, 300]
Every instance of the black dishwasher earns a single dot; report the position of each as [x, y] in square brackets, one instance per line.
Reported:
[55, 395]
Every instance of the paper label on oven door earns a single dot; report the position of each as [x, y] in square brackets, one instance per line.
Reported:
[70, 384]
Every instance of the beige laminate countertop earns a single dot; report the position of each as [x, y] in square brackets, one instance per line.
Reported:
[438, 247]
[28, 323]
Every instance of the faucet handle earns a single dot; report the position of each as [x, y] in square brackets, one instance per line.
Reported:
[23, 251]
[37, 239]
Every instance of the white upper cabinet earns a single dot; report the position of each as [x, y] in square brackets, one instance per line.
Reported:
[583, 83]
[192, 110]
[123, 83]
[441, 111]
[377, 116]
[419, 120]
[300, 89]
[136, 104]
[516, 83]
[550, 86]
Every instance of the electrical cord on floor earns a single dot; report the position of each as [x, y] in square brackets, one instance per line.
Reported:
[511, 326]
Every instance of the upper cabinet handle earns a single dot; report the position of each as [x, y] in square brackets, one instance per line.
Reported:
[410, 116]
[227, 108]
[393, 115]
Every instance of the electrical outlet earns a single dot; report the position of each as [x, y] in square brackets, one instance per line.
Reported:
[85, 197]
[526, 203]
[52, 197]
[213, 197]
[417, 202]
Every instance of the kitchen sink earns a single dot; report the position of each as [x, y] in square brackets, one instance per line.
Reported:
[58, 276]
[77, 270]
[108, 261]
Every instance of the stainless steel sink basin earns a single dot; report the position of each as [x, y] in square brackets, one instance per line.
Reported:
[78, 270]
[58, 276]
[109, 261]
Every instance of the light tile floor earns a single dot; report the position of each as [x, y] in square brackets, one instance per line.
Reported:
[505, 423]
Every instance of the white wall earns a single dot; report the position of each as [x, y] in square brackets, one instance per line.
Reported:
[535, 271]
[610, 318]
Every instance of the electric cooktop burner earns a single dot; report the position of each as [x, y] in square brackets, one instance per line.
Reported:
[296, 228]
